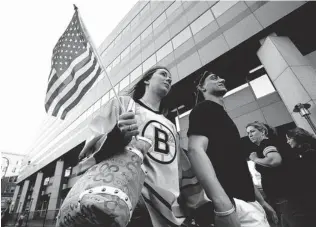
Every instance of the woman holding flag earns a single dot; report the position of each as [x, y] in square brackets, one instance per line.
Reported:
[169, 190]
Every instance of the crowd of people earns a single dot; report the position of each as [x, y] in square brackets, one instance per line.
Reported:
[217, 166]
[210, 182]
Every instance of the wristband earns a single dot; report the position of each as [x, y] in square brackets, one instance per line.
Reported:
[224, 213]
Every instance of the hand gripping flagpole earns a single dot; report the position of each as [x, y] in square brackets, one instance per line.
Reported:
[88, 37]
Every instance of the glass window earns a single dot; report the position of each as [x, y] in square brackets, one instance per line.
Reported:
[97, 105]
[125, 52]
[145, 9]
[164, 51]
[175, 5]
[262, 86]
[149, 62]
[108, 69]
[90, 110]
[105, 98]
[135, 43]
[118, 38]
[111, 94]
[147, 32]
[136, 73]
[181, 37]
[124, 83]
[221, 7]
[201, 22]
[110, 46]
[126, 29]
[134, 22]
[116, 61]
[74, 124]
[116, 88]
[105, 52]
[159, 20]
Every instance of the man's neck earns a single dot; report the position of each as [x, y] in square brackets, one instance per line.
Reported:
[151, 100]
[218, 100]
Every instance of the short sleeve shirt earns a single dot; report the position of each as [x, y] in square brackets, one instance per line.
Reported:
[224, 149]
[271, 178]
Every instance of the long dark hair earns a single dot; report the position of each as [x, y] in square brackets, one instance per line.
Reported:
[138, 90]
[301, 136]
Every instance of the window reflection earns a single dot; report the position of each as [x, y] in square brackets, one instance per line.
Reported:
[149, 62]
[221, 7]
[164, 51]
[175, 5]
[124, 83]
[105, 98]
[159, 20]
[201, 22]
[135, 43]
[181, 37]
[136, 73]
[125, 52]
[147, 32]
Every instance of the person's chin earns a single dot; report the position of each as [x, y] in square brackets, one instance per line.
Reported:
[222, 92]
[164, 92]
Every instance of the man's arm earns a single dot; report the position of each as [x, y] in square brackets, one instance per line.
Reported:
[205, 173]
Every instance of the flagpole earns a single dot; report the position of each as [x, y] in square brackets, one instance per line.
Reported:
[86, 33]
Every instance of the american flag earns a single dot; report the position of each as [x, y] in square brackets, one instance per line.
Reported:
[75, 69]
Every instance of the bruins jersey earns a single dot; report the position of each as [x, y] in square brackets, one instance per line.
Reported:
[170, 186]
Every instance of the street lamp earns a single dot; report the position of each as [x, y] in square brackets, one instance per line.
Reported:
[304, 112]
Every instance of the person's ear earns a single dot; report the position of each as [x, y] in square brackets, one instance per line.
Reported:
[202, 89]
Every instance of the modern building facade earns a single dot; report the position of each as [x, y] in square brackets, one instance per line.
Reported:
[264, 50]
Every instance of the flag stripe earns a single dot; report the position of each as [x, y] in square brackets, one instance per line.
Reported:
[82, 93]
[52, 71]
[67, 72]
[75, 86]
[52, 81]
[77, 70]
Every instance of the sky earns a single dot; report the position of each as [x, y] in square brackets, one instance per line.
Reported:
[29, 31]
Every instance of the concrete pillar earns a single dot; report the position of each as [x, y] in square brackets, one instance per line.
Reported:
[54, 199]
[292, 75]
[36, 192]
[14, 199]
[23, 196]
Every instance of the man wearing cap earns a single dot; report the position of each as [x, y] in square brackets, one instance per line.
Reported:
[215, 153]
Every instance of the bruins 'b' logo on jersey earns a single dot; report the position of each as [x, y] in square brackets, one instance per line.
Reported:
[164, 142]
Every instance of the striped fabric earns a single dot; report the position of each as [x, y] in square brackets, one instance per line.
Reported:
[75, 69]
